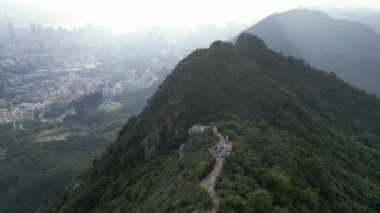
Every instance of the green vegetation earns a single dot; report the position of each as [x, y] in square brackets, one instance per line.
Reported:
[40, 161]
[304, 141]
[111, 106]
[33, 172]
[316, 173]
[174, 184]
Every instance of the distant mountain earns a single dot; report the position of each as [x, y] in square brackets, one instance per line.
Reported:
[368, 17]
[302, 141]
[350, 49]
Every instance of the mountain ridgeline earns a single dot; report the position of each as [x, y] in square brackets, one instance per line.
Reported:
[350, 49]
[303, 141]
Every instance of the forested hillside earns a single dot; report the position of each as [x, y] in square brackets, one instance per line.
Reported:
[303, 141]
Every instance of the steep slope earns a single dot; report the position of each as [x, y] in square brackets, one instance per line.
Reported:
[303, 141]
[350, 49]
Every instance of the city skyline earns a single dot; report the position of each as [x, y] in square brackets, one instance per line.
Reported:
[126, 16]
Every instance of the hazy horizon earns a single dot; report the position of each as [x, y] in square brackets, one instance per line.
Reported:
[125, 16]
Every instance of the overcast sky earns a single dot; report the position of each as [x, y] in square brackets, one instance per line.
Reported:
[122, 15]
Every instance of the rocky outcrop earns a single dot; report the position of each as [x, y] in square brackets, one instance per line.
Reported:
[159, 133]
[151, 142]
[195, 130]
[220, 150]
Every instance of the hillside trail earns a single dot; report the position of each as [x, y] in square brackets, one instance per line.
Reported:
[219, 152]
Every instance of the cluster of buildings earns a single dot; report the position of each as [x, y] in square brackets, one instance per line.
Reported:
[36, 82]
[41, 67]
[12, 117]
[90, 38]
[37, 92]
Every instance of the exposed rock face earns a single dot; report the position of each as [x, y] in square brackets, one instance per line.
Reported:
[220, 150]
[197, 129]
[151, 142]
[170, 127]
[194, 130]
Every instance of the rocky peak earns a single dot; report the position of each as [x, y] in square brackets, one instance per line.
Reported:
[249, 41]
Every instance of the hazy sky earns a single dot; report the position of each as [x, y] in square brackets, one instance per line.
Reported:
[123, 15]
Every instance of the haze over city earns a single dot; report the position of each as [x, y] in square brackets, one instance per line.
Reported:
[123, 16]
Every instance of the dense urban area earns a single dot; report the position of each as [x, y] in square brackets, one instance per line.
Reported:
[43, 68]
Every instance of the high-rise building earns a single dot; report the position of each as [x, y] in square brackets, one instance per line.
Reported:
[6, 17]
[3, 19]
[32, 29]
[9, 24]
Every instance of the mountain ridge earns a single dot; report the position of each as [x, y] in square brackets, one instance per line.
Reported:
[350, 49]
[292, 126]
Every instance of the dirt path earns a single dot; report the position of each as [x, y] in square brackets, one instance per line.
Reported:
[209, 183]
[219, 152]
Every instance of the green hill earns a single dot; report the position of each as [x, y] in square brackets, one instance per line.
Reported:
[350, 49]
[303, 141]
